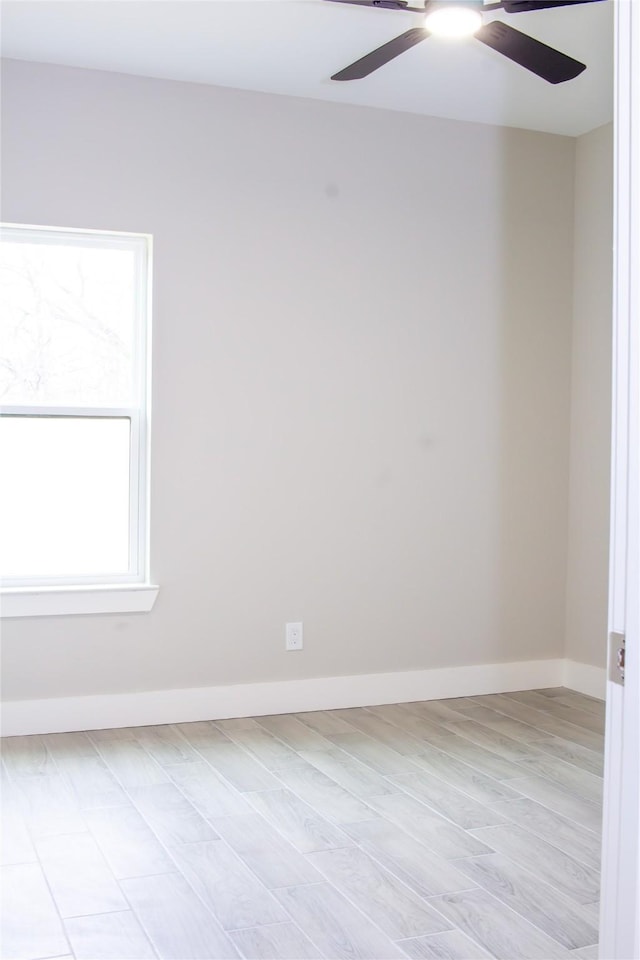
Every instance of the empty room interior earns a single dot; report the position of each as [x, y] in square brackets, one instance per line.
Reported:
[306, 430]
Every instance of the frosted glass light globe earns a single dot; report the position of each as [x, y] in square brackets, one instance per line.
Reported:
[453, 22]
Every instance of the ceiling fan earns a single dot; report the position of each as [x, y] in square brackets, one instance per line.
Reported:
[459, 18]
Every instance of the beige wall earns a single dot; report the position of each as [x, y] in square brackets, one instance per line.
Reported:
[587, 580]
[362, 354]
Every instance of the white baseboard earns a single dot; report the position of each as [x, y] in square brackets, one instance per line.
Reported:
[585, 678]
[283, 696]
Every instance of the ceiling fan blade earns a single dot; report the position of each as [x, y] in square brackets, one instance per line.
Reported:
[385, 53]
[521, 6]
[550, 64]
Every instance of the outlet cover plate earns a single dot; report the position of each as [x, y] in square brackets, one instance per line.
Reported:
[293, 636]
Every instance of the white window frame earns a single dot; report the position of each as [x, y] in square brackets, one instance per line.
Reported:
[108, 593]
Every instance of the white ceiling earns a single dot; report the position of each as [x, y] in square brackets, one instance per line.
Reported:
[292, 47]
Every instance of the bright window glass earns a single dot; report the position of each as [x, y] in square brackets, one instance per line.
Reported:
[64, 508]
[68, 324]
[73, 420]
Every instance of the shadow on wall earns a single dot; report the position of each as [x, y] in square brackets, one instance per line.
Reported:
[535, 382]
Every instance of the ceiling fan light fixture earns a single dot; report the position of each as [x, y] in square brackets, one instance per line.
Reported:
[453, 18]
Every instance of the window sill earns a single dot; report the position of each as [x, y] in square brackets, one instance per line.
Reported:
[64, 601]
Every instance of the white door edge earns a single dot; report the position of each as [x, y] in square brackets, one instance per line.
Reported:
[620, 900]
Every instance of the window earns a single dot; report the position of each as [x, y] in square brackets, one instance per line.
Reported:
[74, 336]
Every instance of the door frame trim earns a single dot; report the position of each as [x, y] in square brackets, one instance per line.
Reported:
[620, 901]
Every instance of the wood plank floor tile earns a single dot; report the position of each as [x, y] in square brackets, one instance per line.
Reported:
[166, 744]
[281, 941]
[514, 729]
[476, 756]
[111, 733]
[30, 925]
[593, 911]
[579, 701]
[546, 792]
[323, 793]
[421, 727]
[596, 707]
[337, 927]
[447, 801]
[463, 777]
[268, 750]
[201, 733]
[354, 776]
[209, 793]
[580, 718]
[110, 936]
[570, 778]
[573, 753]
[501, 931]
[543, 720]
[491, 739]
[438, 835]
[131, 763]
[27, 756]
[397, 909]
[129, 846]
[457, 708]
[69, 746]
[369, 723]
[450, 945]
[324, 722]
[410, 861]
[238, 767]
[78, 875]
[459, 704]
[222, 881]
[176, 921]
[265, 851]
[561, 832]
[91, 782]
[15, 842]
[373, 754]
[555, 914]
[595, 722]
[587, 953]
[234, 725]
[553, 691]
[48, 805]
[303, 826]
[435, 710]
[531, 698]
[294, 732]
[565, 873]
[170, 815]
[465, 827]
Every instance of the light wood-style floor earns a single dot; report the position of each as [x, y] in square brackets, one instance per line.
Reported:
[445, 829]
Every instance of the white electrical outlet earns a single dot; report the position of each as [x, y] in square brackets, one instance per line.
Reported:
[293, 636]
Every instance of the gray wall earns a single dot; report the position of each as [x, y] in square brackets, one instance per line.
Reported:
[587, 579]
[362, 351]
